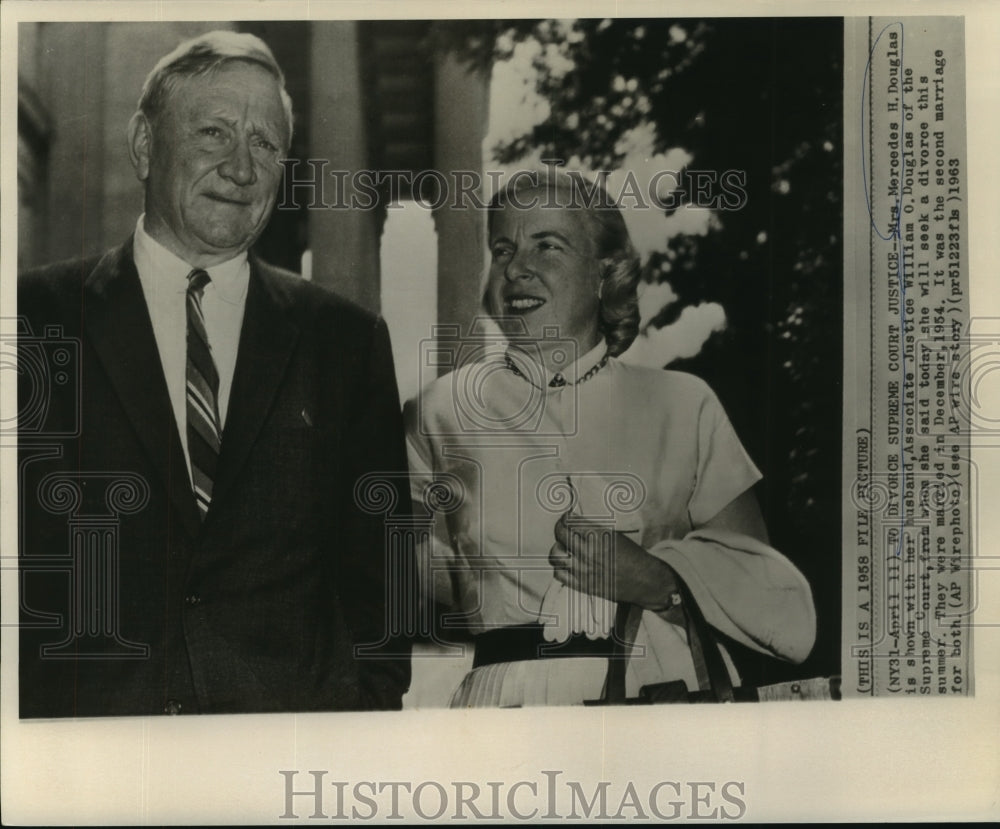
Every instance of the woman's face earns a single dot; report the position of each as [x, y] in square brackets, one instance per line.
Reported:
[544, 270]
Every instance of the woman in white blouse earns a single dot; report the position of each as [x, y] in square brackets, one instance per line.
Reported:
[578, 483]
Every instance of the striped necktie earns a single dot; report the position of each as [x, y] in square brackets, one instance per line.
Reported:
[204, 431]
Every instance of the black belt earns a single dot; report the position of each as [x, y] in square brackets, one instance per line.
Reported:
[526, 642]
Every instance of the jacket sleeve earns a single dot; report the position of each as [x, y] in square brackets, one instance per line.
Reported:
[379, 593]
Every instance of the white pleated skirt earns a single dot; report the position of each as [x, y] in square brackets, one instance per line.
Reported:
[565, 681]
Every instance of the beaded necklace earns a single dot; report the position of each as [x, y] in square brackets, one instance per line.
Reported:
[558, 381]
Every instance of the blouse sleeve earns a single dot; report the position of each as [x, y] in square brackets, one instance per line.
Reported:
[724, 469]
[746, 589]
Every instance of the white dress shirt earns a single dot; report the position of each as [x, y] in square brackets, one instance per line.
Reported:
[164, 285]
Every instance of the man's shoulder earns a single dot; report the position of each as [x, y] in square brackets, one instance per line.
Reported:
[52, 294]
[60, 274]
[311, 301]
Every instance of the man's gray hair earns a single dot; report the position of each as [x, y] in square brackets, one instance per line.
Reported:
[203, 55]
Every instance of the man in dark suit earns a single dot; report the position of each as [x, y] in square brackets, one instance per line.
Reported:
[194, 535]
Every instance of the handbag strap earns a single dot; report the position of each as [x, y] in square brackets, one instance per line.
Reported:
[627, 619]
[710, 667]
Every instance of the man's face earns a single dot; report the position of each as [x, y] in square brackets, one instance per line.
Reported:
[211, 163]
[544, 270]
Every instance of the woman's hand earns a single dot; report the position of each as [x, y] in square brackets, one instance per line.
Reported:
[626, 573]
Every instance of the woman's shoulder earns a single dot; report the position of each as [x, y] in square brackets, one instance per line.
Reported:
[672, 386]
[440, 389]
[437, 399]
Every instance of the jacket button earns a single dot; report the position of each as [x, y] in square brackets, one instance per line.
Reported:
[193, 599]
[172, 707]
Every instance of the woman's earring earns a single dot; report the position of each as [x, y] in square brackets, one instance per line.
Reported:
[600, 289]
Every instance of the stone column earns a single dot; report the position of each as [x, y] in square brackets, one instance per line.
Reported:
[74, 90]
[343, 241]
[461, 112]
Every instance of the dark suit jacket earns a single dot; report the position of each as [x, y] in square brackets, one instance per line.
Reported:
[130, 604]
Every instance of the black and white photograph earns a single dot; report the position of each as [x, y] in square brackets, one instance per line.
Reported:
[438, 416]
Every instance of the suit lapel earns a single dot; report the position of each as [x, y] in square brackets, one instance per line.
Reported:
[118, 325]
[267, 341]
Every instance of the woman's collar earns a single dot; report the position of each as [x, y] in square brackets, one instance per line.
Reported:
[523, 362]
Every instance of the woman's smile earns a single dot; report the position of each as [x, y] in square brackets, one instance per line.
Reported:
[522, 303]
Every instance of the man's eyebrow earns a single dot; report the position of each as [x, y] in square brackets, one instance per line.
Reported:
[270, 130]
[215, 114]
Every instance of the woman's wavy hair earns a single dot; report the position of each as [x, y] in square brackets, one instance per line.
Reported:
[618, 260]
